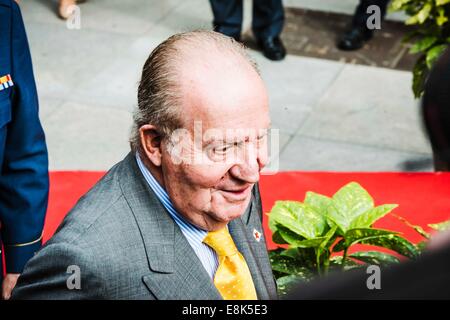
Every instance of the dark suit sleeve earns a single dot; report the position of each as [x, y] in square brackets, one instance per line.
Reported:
[24, 175]
[60, 272]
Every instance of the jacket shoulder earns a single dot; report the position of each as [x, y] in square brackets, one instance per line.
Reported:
[104, 202]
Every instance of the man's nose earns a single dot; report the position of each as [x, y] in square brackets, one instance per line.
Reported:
[248, 167]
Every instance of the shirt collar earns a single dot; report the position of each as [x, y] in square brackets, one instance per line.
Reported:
[163, 196]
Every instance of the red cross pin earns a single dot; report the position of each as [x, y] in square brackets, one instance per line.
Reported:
[257, 235]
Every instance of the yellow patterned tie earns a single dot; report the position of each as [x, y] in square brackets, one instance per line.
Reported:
[232, 278]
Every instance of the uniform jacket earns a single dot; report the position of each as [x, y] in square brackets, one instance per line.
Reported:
[23, 152]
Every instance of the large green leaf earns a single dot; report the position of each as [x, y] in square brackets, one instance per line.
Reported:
[348, 203]
[434, 53]
[299, 218]
[398, 4]
[395, 243]
[377, 237]
[424, 13]
[368, 218]
[355, 236]
[295, 240]
[421, 16]
[442, 226]
[272, 224]
[423, 44]
[319, 202]
[349, 264]
[375, 257]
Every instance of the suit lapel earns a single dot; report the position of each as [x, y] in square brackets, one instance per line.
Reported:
[176, 271]
[254, 252]
[189, 281]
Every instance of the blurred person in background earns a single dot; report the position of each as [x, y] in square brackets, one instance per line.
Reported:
[267, 24]
[23, 152]
[436, 112]
[359, 32]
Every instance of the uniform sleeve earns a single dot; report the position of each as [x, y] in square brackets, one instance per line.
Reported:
[24, 175]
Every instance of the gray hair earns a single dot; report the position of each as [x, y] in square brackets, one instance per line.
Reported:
[159, 93]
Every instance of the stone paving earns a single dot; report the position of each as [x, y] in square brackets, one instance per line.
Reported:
[332, 116]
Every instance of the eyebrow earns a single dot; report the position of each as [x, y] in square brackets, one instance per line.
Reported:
[208, 142]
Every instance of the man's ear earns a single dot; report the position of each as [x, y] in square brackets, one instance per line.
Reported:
[151, 143]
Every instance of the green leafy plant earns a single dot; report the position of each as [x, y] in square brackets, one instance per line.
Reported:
[316, 235]
[431, 35]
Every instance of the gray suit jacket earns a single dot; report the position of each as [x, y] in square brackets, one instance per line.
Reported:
[126, 246]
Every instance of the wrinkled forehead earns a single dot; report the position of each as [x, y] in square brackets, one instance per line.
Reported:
[223, 95]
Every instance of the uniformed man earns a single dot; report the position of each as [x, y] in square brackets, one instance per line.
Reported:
[359, 33]
[23, 152]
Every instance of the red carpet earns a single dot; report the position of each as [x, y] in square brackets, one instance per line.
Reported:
[422, 197]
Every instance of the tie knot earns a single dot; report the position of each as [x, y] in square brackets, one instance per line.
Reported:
[221, 242]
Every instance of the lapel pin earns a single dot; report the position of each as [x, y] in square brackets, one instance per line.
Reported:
[257, 235]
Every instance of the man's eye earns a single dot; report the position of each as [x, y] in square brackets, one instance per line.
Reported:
[221, 149]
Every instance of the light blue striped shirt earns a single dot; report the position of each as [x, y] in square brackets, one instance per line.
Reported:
[193, 234]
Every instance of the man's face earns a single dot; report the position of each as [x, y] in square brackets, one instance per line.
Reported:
[209, 169]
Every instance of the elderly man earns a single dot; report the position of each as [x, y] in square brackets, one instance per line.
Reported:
[180, 216]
